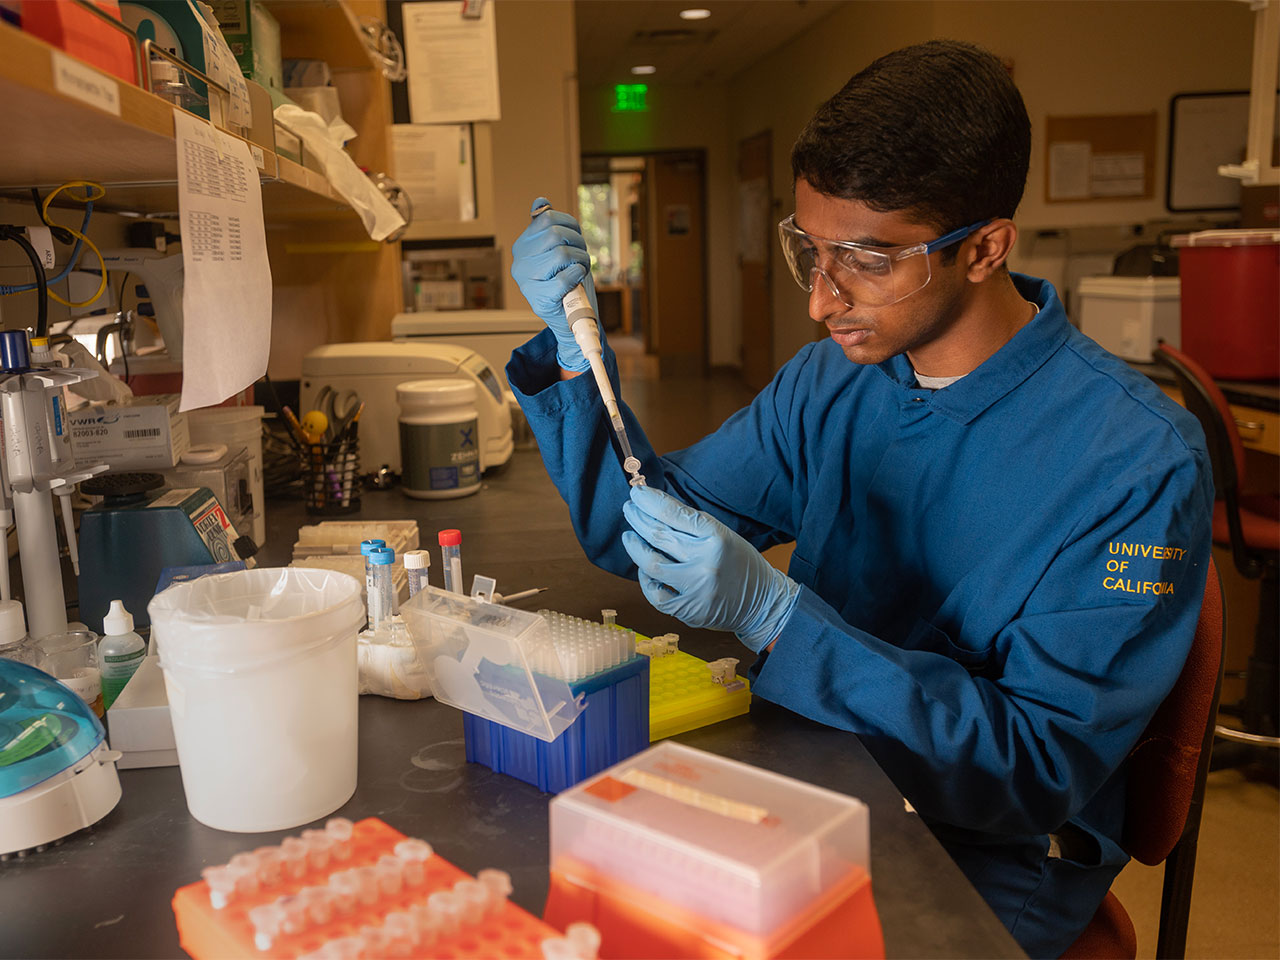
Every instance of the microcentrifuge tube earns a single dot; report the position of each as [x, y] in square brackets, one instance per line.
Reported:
[451, 559]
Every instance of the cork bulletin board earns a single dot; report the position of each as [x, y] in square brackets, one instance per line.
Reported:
[1092, 158]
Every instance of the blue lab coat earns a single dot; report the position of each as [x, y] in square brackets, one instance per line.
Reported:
[1000, 579]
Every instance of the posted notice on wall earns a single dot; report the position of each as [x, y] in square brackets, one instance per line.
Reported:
[226, 295]
[434, 164]
[452, 62]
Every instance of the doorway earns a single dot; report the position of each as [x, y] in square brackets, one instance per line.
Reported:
[644, 220]
[755, 233]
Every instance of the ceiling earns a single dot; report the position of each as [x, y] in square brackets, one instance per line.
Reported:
[615, 35]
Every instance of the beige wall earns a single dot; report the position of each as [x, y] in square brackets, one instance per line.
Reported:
[533, 150]
[680, 117]
[1069, 58]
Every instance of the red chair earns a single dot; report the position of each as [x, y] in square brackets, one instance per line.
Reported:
[1250, 526]
[1167, 770]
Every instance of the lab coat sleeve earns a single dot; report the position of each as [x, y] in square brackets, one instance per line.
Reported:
[742, 474]
[1014, 737]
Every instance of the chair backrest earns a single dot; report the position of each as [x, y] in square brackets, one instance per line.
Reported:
[1204, 399]
[1168, 766]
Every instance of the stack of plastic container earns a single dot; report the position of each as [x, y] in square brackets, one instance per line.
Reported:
[350, 891]
[681, 853]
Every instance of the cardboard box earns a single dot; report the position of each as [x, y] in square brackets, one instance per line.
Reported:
[139, 720]
[253, 35]
[148, 433]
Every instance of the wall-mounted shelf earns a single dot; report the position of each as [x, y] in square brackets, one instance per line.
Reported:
[325, 30]
[57, 137]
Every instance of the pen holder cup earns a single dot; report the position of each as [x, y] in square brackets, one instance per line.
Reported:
[331, 484]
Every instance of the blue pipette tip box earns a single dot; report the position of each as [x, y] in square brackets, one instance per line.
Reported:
[613, 726]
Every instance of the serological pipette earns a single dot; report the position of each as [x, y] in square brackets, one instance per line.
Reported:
[586, 332]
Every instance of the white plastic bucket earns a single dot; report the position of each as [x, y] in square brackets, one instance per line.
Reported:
[260, 669]
[236, 427]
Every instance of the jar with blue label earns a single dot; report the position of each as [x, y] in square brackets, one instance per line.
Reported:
[439, 438]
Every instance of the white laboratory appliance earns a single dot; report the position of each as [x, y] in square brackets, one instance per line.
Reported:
[491, 333]
[57, 774]
[374, 370]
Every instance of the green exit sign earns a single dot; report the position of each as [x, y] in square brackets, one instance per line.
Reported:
[630, 98]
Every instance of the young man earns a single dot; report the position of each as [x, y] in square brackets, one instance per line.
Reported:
[1001, 530]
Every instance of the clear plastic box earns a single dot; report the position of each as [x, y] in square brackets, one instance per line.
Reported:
[480, 657]
[738, 845]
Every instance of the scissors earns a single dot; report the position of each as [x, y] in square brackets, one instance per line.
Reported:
[339, 407]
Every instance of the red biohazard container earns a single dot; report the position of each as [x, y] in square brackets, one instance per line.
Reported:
[1231, 301]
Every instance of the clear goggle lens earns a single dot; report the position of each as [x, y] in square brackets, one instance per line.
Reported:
[859, 275]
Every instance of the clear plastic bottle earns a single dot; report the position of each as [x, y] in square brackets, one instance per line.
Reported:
[120, 652]
[417, 566]
[451, 557]
[380, 586]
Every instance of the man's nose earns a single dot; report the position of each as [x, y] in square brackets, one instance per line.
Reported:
[823, 301]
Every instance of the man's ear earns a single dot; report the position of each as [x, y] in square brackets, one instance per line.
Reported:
[989, 248]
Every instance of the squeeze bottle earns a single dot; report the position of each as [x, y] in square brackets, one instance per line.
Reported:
[120, 652]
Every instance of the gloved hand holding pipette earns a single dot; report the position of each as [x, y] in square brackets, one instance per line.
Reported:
[549, 261]
[552, 267]
[694, 568]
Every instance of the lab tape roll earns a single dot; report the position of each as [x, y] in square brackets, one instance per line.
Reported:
[260, 668]
[439, 438]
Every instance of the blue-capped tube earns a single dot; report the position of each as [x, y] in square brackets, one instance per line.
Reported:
[366, 547]
[380, 586]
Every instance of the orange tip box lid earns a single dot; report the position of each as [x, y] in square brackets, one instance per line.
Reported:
[739, 845]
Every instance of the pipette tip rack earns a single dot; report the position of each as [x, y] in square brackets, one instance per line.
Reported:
[602, 666]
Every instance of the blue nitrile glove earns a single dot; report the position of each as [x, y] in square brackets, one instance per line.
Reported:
[547, 261]
[699, 571]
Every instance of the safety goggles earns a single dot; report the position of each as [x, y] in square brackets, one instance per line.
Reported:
[860, 275]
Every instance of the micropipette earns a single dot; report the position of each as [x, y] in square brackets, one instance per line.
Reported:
[586, 331]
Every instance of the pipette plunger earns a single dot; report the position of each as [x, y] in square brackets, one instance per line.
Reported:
[586, 332]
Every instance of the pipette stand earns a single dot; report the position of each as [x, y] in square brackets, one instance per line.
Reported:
[38, 461]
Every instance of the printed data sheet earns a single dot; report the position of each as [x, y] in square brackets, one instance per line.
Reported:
[226, 297]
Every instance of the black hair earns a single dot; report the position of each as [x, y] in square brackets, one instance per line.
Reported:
[937, 130]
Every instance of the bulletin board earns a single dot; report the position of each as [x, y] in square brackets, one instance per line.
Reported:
[1093, 158]
[1206, 130]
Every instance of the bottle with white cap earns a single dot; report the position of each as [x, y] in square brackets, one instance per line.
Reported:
[417, 565]
[14, 642]
[120, 652]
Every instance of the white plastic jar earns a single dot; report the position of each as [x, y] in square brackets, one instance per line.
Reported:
[439, 438]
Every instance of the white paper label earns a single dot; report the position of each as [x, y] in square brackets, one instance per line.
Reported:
[259, 157]
[82, 82]
[42, 241]
[86, 684]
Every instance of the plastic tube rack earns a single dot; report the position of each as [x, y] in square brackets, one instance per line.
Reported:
[685, 692]
[351, 891]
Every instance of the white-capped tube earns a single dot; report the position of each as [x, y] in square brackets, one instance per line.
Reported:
[417, 565]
